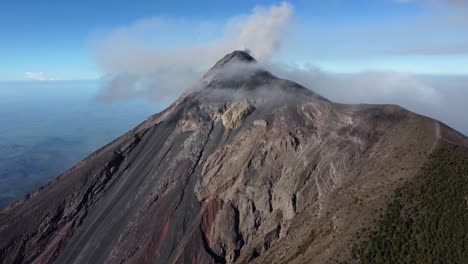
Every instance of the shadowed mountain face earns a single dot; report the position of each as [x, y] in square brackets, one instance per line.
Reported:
[245, 168]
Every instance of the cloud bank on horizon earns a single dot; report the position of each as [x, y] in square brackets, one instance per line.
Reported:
[37, 76]
[135, 69]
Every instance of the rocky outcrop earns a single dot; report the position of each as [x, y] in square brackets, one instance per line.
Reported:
[236, 114]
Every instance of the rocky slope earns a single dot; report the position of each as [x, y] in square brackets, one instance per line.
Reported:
[245, 168]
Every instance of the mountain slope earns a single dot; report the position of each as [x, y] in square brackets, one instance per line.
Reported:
[425, 222]
[245, 168]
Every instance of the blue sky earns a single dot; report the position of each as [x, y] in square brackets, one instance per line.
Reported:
[58, 39]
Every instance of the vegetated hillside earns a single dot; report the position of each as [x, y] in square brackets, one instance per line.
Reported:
[247, 168]
[426, 221]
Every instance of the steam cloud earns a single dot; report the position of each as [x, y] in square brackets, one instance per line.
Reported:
[133, 69]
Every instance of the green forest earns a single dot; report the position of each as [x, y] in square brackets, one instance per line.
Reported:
[427, 221]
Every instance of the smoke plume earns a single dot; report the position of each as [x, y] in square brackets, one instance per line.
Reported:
[133, 68]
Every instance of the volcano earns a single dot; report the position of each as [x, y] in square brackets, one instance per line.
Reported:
[251, 168]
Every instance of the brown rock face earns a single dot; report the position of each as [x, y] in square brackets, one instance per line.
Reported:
[248, 168]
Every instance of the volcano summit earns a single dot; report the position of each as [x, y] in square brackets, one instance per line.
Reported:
[251, 168]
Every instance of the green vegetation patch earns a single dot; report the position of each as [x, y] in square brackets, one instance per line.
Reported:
[427, 221]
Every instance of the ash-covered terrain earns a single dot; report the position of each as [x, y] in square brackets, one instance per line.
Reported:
[250, 168]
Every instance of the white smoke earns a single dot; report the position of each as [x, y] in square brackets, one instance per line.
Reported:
[261, 32]
[132, 68]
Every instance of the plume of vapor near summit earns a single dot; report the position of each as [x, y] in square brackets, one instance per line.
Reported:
[133, 69]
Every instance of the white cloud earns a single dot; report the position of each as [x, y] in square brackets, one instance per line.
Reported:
[157, 72]
[439, 97]
[135, 69]
[37, 76]
[383, 87]
[261, 32]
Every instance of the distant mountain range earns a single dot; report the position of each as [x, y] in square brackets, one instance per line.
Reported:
[251, 168]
